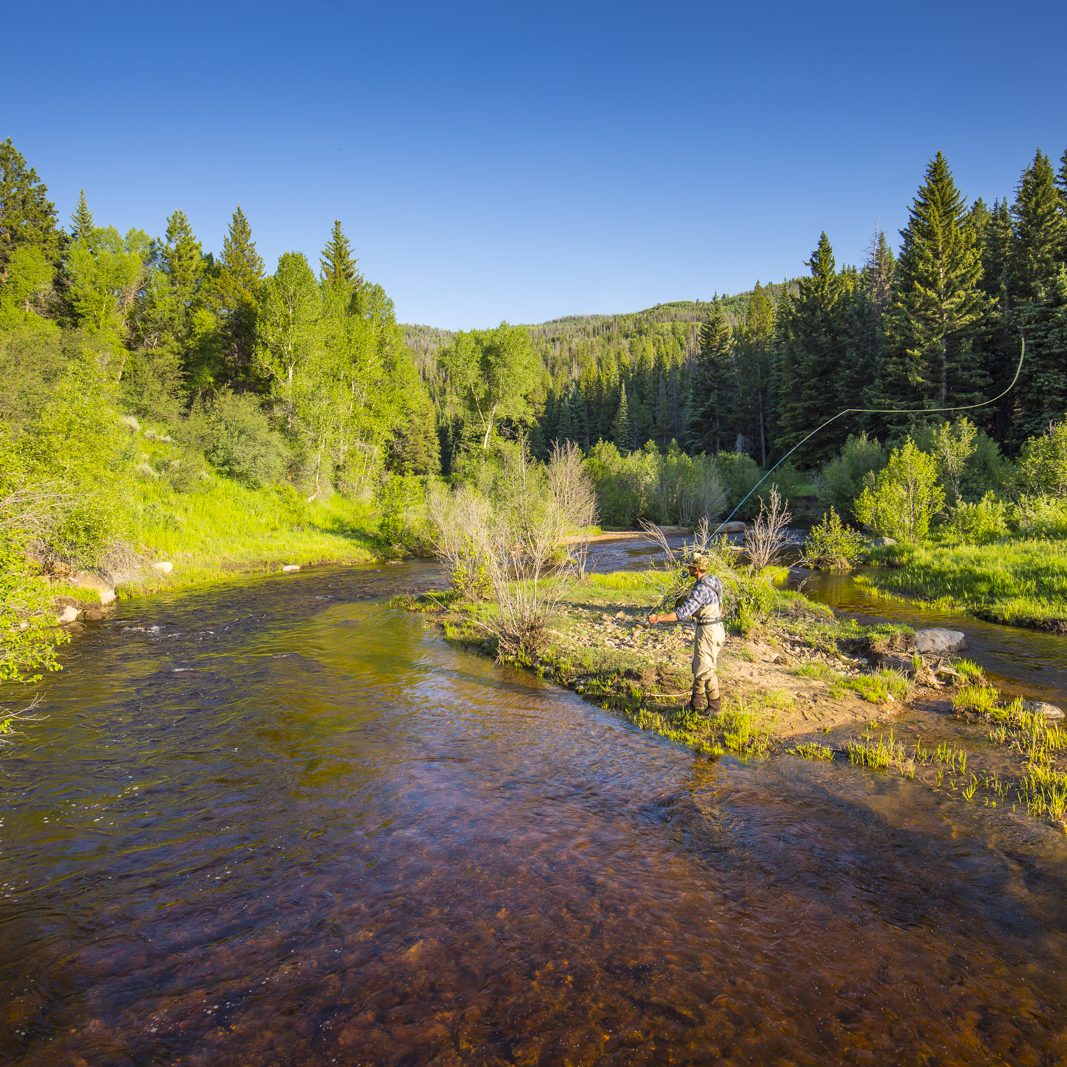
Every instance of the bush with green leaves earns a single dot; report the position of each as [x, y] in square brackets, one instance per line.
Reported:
[739, 473]
[842, 479]
[1042, 516]
[979, 523]
[241, 443]
[1043, 463]
[403, 521]
[902, 499]
[833, 546]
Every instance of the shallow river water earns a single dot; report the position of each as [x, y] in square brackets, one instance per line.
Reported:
[284, 823]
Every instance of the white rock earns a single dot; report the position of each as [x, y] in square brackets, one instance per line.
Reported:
[92, 581]
[68, 615]
[938, 641]
[163, 566]
[732, 527]
[288, 568]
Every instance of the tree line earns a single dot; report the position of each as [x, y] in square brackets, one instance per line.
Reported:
[936, 323]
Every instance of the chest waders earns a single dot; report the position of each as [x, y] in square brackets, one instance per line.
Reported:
[708, 640]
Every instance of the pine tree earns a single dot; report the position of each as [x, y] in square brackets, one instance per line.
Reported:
[27, 216]
[184, 266]
[1036, 269]
[622, 430]
[998, 338]
[337, 265]
[811, 350]
[81, 222]
[939, 304]
[756, 372]
[235, 291]
[713, 396]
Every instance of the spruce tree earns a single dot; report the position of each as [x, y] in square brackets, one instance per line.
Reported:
[713, 396]
[756, 372]
[235, 290]
[998, 338]
[811, 351]
[27, 216]
[183, 264]
[622, 430]
[939, 304]
[337, 266]
[81, 222]
[1036, 270]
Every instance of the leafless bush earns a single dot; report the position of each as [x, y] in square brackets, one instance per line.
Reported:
[767, 537]
[573, 499]
[510, 548]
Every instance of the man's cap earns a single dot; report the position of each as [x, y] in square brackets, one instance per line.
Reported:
[700, 561]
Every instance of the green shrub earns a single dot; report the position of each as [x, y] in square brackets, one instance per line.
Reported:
[1042, 516]
[833, 546]
[739, 473]
[751, 598]
[1043, 463]
[979, 523]
[841, 480]
[402, 517]
[901, 500]
[241, 443]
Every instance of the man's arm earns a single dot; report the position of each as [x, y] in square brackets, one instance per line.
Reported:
[670, 616]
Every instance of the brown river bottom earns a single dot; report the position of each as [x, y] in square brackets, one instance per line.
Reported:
[282, 823]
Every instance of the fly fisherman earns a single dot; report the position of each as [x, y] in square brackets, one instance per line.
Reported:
[704, 607]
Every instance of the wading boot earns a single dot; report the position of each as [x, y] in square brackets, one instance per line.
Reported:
[698, 702]
[714, 705]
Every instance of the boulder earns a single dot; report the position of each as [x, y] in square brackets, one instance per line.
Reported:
[734, 527]
[163, 566]
[939, 642]
[883, 542]
[103, 589]
[68, 614]
[1050, 711]
[288, 568]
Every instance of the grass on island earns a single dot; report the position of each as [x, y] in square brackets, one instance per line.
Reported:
[1019, 583]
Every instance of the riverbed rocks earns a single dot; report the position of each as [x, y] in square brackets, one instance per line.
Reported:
[939, 642]
[68, 613]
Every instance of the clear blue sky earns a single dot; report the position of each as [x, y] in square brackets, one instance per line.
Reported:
[522, 161]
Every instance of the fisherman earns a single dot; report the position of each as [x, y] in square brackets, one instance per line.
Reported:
[704, 607]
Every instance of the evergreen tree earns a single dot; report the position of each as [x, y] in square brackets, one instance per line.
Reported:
[27, 216]
[1040, 236]
[184, 267]
[622, 430]
[756, 372]
[812, 342]
[939, 303]
[713, 391]
[81, 222]
[998, 338]
[337, 266]
[235, 294]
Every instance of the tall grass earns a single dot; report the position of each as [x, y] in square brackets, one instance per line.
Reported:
[1020, 583]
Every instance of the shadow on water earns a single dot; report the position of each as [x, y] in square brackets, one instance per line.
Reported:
[283, 823]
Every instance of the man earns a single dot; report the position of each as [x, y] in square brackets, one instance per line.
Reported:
[704, 607]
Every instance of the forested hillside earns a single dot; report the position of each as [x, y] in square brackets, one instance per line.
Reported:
[934, 323]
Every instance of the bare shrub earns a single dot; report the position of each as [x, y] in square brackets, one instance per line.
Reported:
[510, 547]
[767, 537]
[574, 500]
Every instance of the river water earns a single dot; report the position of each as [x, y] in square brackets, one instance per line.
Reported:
[283, 823]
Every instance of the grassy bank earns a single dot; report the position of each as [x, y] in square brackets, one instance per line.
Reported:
[1019, 583]
[228, 528]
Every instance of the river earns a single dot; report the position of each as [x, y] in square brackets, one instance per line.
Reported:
[281, 822]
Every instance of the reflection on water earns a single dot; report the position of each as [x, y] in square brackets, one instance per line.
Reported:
[292, 826]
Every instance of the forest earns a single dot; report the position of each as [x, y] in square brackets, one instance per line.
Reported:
[160, 401]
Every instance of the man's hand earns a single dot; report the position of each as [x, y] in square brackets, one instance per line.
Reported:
[653, 618]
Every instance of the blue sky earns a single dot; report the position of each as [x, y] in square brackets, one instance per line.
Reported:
[524, 161]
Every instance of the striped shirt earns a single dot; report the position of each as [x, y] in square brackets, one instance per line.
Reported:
[706, 594]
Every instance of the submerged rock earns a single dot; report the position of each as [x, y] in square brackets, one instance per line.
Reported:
[938, 642]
